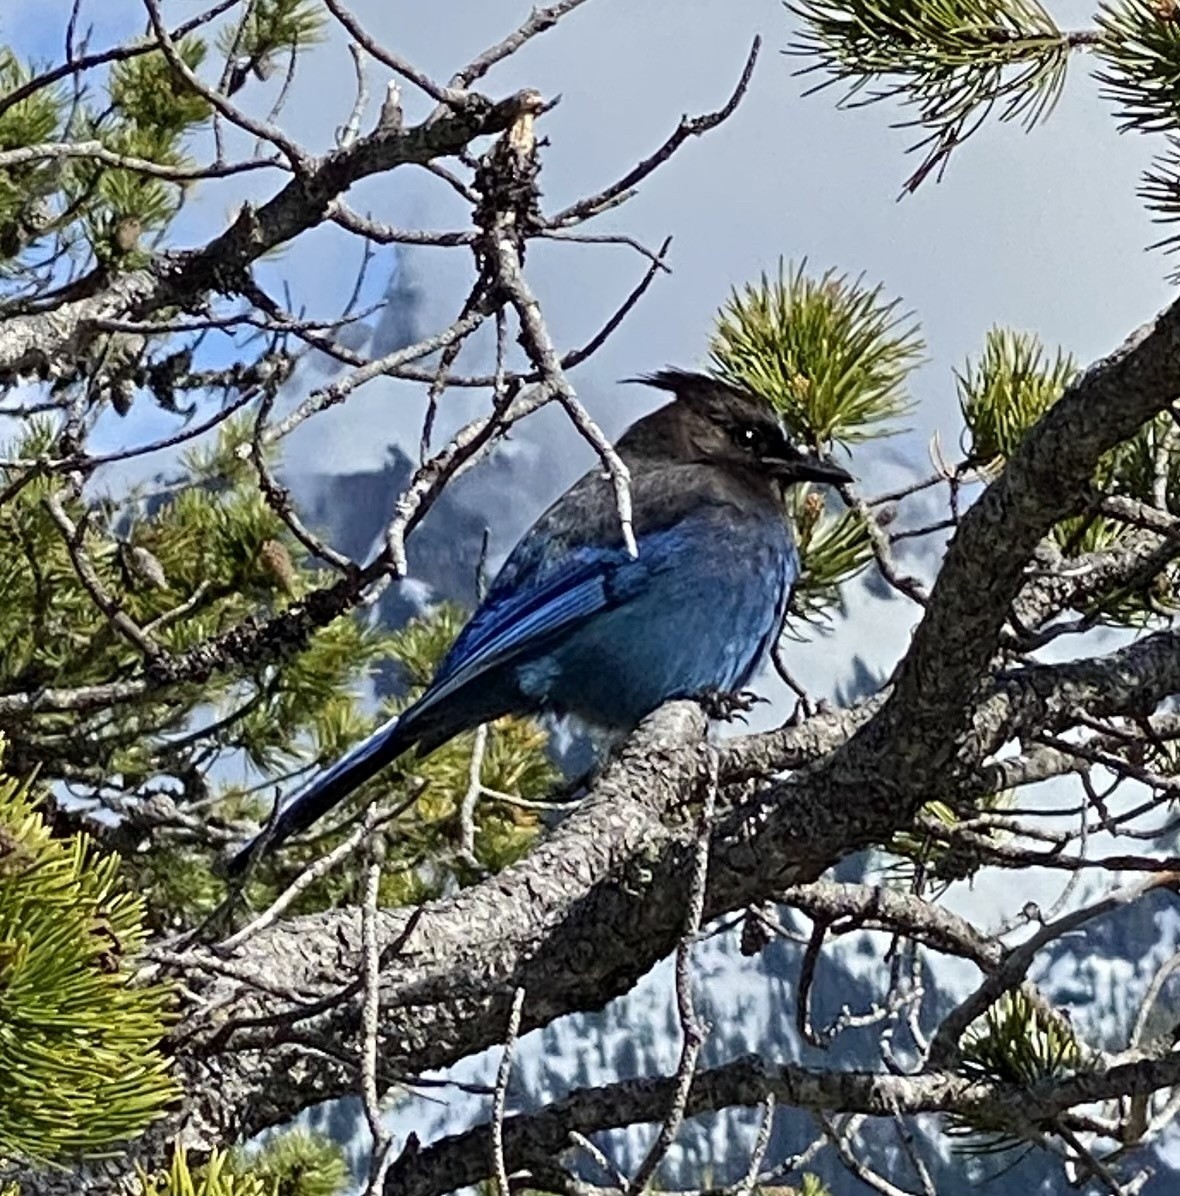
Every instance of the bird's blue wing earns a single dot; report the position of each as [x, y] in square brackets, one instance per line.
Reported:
[529, 606]
[572, 566]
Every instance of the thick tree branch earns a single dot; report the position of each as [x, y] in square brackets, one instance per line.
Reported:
[927, 717]
[578, 921]
[905, 913]
[535, 1139]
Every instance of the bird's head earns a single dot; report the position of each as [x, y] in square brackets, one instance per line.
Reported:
[720, 423]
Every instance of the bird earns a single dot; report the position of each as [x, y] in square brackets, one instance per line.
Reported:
[575, 624]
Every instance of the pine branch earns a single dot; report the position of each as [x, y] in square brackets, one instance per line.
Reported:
[954, 62]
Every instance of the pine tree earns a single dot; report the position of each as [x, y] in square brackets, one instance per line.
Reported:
[178, 642]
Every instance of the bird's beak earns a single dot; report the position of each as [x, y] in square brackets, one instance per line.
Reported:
[808, 468]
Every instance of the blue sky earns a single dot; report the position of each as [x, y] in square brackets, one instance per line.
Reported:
[1040, 232]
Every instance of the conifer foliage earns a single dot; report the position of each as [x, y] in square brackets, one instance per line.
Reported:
[181, 641]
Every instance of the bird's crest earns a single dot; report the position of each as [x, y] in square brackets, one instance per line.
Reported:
[715, 399]
[688, 384]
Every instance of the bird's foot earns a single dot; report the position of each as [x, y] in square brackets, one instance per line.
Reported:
[806, 708]
[727, 705]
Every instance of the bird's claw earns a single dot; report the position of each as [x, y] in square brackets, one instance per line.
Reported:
[727, 705]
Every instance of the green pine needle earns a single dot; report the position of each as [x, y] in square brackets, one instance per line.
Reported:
[945, 860]
[1015, 1042]
[224, 556]
[79, 1043]
[1132, 469]
[420, 841]
[1140, 48]
[295, 1163]
[291, 1164]
[25, 191]
[147, 91]
[832, 549]
[1160, 191]
[1004, 393]
[830, 354]
[272, 26]
[36, 118]
[215, 1178]
[812, 1185]
[954, 61]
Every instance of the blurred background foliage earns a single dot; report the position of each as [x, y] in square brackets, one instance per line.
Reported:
[290, 1164]
[1005, 391]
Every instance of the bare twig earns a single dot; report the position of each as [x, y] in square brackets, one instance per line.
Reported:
[371, 1013]
[1016, 962]
[500, 1099]
[690, 126]
[692, 1029]
[806, 977]
[618, 1179]
[385, 234]
[470, 798]
[840, 1140]
[539, 345]
[278, 498]
[309, 876]
[539, 20]
[262, 130]
[761, 1144]
[451, 96]
[116, 615]
[911, 587]
[337, 392]
[95, 151]
[122, 53]
[558, 234]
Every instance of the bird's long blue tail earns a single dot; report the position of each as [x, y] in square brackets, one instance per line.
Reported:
[390, 740]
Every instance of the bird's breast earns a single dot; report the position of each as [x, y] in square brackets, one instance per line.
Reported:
[697, 611]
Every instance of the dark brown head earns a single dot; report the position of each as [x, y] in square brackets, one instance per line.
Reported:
[713, 421]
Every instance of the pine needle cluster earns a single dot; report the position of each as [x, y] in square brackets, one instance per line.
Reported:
[290, 1164]
[1004, 393]
[1016, 1042]
[79, 1039]
[830, 354]
[952, 62]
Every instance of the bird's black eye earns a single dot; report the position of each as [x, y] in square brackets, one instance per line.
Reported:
[749, 437]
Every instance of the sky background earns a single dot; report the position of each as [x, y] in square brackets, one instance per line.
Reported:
[1039, 232]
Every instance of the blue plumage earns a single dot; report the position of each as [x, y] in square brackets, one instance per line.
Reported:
[671, 623]
[574, 625]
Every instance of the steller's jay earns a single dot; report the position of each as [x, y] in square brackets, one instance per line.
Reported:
[574, 625]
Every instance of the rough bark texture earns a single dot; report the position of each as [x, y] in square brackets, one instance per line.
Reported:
[531, 1140]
